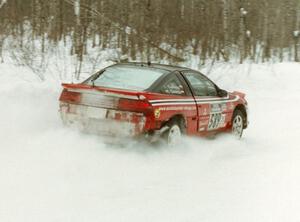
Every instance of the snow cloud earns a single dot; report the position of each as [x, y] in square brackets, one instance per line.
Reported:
[51, 173]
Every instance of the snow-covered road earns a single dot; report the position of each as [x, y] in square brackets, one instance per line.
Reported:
[52, 174]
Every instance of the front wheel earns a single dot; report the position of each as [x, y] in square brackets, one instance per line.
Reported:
[238, 124]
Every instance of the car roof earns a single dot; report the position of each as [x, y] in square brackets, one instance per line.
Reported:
[169, 68]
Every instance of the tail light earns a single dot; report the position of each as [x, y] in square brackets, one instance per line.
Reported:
[134, 105]
[72, 97]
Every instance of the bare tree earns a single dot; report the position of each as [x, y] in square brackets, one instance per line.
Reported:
[159, 29]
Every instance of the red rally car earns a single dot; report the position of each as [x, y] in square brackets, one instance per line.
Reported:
[152, 101]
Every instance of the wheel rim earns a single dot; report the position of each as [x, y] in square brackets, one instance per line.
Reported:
[237, 126]
[174, 135]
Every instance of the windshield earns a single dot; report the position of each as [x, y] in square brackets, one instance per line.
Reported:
[126, 77]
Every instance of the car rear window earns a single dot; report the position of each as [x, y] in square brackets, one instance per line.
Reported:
[127, 77]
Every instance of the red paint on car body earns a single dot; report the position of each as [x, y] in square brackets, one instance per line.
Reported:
[145, 112]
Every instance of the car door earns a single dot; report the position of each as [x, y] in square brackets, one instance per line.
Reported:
[175, 98]
[211, 107]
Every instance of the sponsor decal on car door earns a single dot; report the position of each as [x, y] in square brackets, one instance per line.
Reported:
[211, 113]
[217, 116]
[219, 108]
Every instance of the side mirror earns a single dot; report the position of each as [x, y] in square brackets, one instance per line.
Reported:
[222, 93]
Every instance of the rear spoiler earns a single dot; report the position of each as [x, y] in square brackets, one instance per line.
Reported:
[83, 88]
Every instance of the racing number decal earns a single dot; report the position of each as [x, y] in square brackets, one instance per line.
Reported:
[216, 118]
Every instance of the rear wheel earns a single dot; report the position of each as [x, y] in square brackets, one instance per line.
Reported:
[238, 124]
[173, 135]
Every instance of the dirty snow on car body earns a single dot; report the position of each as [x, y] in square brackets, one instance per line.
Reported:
[52, 173]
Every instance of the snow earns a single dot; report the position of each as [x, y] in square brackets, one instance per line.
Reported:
[128, 30]
[51, 173]
[243, 12]
[77, 7]
[248, 33]
[2, 2]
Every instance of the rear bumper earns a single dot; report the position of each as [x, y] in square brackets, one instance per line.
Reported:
[104, 122]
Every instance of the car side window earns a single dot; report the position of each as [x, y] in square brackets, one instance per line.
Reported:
[172, 86]
[200, 84]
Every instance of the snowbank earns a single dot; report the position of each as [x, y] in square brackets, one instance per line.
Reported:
[50, 173]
